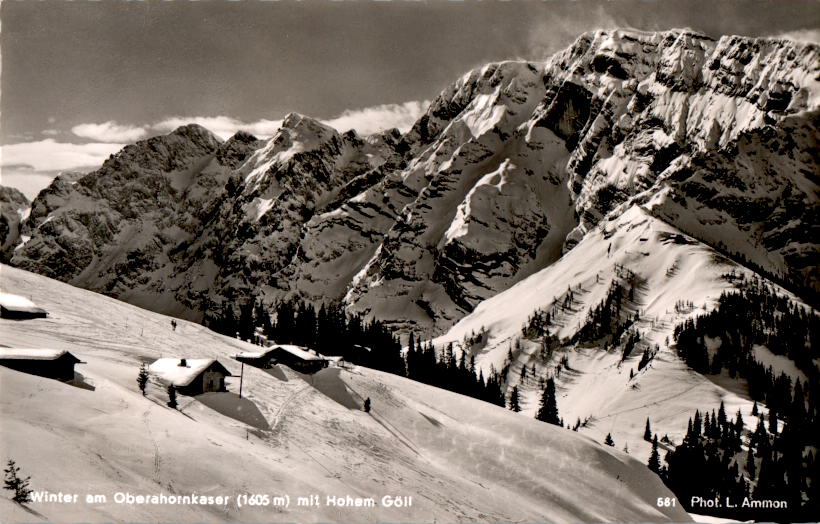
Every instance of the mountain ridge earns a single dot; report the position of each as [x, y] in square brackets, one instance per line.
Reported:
[507, 170]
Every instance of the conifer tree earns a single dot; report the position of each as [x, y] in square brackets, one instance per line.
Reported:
[647, 432]
[772, 422]
[750, 464]
[608, 440]
[548, 410]
[760, 437]
[654, 457]
[19, 486]
[755, 411]
[697, 427]
[172, 397]
[142, 378]
[514, 405]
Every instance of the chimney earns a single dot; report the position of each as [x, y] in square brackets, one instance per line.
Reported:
[183, 363]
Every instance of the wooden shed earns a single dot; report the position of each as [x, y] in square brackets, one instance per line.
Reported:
[16, 307]
[191, 376]
[50, 363]
[297, 358]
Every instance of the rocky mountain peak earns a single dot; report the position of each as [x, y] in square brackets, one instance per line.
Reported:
[234, 151]
[14, 208]
[511, 166]
[305, 127]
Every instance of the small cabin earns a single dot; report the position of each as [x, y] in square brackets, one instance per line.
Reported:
[50, 363]
[297, 358]
[191, 376]
[15, 307]
[258, 359]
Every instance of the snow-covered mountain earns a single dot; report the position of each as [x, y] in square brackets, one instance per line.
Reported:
[669, 167]
[458, 458]
[510, 167]
[675, 278]
[14, 209]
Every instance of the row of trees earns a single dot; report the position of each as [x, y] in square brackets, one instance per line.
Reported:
[333, 331]
[720, 458]
[446, 371]
[753, 317]
[775, 460]
[610, 319]
[330, 330]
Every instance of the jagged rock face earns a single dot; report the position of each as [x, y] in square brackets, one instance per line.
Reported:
[263, 233]
[621, 115]
[717, 137]
[509, 168]
[14, 207]
[113, 230]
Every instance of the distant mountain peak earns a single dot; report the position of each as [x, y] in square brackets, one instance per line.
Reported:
[510, 167]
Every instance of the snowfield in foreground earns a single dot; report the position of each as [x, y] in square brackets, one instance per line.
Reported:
[458, 458]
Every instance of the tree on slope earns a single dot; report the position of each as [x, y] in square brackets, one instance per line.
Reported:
[142, 378]
[608, 440]
[654, 457]
[19, 486]
[514, 405]
[172, 397]
[647, 433]
[548, 410]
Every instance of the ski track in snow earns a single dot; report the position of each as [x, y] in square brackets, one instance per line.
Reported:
[157, 460]
[276, 422]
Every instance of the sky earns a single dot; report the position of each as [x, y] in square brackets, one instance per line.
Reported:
[80, 79]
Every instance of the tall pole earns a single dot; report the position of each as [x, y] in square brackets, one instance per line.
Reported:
[241, 377]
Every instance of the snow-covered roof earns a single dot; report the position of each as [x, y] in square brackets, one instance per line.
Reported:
[251, 354]
[170, 371]
[300, 352]
[31, 354]
[18, 303]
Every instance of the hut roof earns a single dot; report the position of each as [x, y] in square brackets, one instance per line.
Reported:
[18, 303]
[300, 352]
[33, 354]
[252, 354]
[170, 371]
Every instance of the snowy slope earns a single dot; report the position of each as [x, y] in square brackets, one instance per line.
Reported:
[460, 459]
[671, 268]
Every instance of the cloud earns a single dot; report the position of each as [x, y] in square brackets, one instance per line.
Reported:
[378, 118]
[27, 180]
[50, 155]
[222, 126]
[31, 166]
[109, 132]
[365, 121]
[554, 34]
[811, 36]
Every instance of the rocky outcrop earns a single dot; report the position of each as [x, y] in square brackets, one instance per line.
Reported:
[14, 208]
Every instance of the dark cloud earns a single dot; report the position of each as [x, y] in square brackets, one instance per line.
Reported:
[140, 62]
